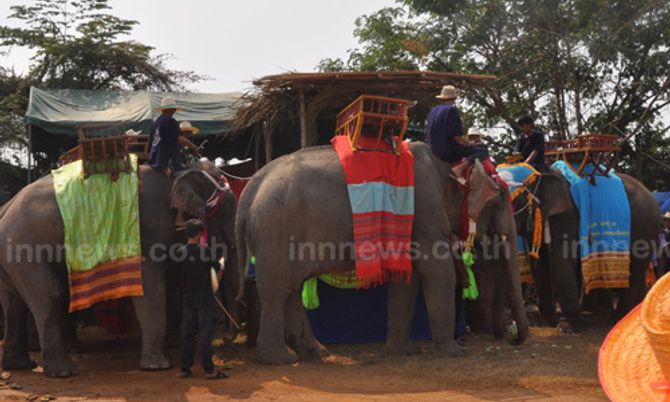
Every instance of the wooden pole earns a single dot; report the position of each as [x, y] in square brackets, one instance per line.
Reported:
[30, 154]
[257, 149]
[267, 134]
[304, 135]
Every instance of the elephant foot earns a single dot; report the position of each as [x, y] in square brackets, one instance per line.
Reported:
[73, 346]
[311, 351]
[16, 362]
[154, 361]
[449, 349]
[62, 368]
[276, 356]
[565, 327]
[402, 348]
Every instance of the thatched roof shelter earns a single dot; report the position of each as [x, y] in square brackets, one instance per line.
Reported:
[304, 105]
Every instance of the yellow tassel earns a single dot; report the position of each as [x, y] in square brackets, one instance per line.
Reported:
[537, 235]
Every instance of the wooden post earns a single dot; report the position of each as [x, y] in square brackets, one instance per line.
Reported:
[257, 149]
[267, 134]
[30, 154]
[304, 135]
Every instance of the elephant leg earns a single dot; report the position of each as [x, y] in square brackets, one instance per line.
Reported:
[230, 285]
[634, 294]
[498, 305]
[49, 309]
[438, 279]
[542, 278]
[401, 306]
[17, 318]
[299, 335]
[480, 313]
[565, 276]
[273, 291]
[150, 311]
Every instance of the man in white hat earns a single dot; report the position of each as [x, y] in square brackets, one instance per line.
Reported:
[165, 138]
[444, 132]
[476, 136]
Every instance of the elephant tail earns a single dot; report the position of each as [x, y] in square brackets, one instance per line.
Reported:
[242, 252]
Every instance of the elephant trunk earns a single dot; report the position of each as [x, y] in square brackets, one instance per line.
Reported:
[515, 294]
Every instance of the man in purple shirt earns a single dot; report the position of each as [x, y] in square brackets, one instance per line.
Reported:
[445, 134]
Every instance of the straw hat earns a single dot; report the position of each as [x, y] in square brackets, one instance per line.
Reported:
[169, 103]
[634, 363]
[474, 132]
[186, 126]
[449, 92]
[666, 215]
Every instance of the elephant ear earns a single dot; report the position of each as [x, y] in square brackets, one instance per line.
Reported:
[555, 195]
[189, 193]
[482, 190]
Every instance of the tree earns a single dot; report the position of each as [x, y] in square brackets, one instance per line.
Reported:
[77, 45]
[577, 65]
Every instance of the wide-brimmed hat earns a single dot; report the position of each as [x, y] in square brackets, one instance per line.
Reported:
[186, 126]
[666, 215]
[449, 92]
[634, 362]
[169, 103]
[473, 132]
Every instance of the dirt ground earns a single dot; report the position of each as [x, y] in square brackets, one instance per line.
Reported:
[549, 367]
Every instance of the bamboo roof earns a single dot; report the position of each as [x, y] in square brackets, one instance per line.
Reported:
[278, 94]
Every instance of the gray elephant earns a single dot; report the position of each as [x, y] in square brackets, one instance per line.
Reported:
[301, 199]
[39, 285]
[557, 273]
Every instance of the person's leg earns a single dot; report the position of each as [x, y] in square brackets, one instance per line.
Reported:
[176, 159]
[205, 321]
[187, 342]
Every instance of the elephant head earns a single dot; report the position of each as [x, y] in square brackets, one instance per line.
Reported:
[552, 192]
[201, 192]
[496, 239]
[489, 208]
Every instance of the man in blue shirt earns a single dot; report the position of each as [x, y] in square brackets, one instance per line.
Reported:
[531, 143]
[165, 139]
[444, 132]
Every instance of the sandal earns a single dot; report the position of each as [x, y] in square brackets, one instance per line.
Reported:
[215, 375]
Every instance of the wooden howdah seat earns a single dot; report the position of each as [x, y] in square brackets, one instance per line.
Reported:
[107, 154]
[374, 116]
[598, 149]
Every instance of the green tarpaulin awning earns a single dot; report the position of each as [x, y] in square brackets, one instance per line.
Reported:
[62, 111]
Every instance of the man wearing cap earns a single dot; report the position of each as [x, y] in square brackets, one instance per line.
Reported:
[531, 143]
[165, 138]
[476, 136]
[444, 132]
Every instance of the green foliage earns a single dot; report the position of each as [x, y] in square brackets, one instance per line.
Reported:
[78, 45]
[577, 65]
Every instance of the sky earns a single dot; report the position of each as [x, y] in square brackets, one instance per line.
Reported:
[234, 42]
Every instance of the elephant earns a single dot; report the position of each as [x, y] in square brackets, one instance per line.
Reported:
[557, 273]
[31, 220]
[301, 199]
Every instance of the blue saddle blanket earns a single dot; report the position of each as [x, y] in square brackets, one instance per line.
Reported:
[604, 227]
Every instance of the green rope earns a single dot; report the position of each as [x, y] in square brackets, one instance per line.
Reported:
[470, 293]
[310, 297]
